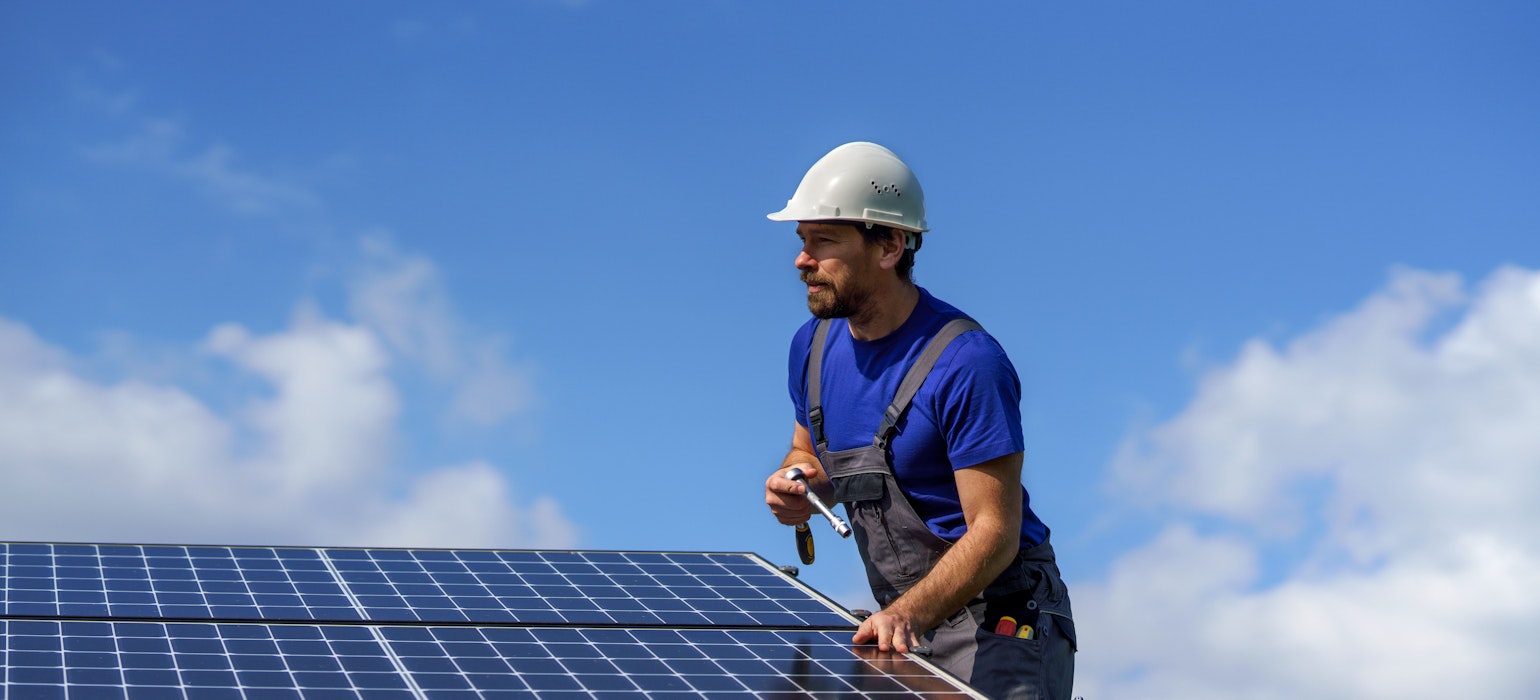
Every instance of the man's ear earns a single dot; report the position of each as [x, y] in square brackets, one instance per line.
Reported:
[892, 249]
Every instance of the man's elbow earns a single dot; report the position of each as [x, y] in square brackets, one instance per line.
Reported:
[1007, 545]
[1000, 536]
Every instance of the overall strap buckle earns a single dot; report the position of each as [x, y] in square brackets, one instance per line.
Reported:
[815, 426]
[888, 427]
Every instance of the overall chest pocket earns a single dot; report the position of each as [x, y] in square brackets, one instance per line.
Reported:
[859, 487]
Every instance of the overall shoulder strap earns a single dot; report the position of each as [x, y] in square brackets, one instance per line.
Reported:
[917, 373]
[814, 380]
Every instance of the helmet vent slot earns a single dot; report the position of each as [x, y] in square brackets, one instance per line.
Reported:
[884, 189]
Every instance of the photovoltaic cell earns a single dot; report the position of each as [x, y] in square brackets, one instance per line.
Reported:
[55, 659]
[389, 585]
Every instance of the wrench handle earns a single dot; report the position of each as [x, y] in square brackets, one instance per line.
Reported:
[835, 521]
[805, 543]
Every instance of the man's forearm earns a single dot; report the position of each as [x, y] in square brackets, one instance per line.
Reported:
[963, 573]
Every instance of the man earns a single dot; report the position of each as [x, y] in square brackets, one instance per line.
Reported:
[909, 414]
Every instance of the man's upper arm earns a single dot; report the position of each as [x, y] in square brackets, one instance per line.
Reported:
[990, 493]
[978, 402]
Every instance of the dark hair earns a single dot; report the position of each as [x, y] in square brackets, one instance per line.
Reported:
[879, 233]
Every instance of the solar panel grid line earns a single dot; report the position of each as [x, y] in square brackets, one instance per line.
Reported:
[395, 659]
[347, 592]
[397, 663]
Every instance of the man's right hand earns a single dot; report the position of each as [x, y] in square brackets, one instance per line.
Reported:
[788, 499]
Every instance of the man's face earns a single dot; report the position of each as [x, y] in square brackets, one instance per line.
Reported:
[836, 265]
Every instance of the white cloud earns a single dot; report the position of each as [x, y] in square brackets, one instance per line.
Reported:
[1398, 447]
[333, 408]
[467, 504]
[309, 463]
[402, 296]
[315, 459]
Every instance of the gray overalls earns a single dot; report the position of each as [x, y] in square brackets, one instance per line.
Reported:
[899, 550]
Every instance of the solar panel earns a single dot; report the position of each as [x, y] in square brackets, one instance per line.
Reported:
[147, 621]
[391, 585]
[46, 659]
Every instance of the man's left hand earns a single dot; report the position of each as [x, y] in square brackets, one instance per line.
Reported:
[891, 631]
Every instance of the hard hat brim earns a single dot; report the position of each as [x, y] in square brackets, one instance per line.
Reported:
[786, 215]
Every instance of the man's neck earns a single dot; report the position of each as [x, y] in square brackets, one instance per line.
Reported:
[885, 311]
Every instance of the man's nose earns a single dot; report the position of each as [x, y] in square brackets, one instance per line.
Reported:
[805, 261]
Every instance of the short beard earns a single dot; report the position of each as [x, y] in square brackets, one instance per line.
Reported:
[832, 303]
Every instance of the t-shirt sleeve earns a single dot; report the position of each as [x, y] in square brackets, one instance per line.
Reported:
[978, 402]
[796, 371]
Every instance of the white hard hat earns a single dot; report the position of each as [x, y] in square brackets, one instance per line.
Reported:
[858, 181]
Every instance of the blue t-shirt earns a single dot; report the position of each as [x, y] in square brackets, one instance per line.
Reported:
[967, 412]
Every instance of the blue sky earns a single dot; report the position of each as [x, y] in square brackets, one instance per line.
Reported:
[480, 274]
